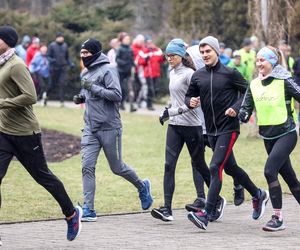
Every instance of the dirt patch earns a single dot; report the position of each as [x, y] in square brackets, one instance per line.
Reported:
[59, 146]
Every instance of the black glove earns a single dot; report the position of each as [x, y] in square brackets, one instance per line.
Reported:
[243, 116]
[86, 84]
[77, 99]
[164, 116]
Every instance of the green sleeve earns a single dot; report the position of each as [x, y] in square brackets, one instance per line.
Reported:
[20, 76]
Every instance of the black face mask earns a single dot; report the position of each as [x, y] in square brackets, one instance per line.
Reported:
[88, 60]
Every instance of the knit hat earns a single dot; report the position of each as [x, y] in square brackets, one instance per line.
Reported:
[176, 46]
[59, 34]
[247, 41]
[9, 35]
[92, 45]
[212, 42]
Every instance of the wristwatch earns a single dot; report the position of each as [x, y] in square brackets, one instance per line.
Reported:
[180, 110]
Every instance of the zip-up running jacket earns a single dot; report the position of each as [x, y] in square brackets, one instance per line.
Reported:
[218, 88]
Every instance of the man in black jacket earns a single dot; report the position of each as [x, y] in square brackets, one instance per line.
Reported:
[59, 60]
[217, 87]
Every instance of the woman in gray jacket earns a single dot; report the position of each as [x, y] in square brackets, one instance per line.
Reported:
[102, 126]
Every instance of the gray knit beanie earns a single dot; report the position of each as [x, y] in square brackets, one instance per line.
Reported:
[212, 42]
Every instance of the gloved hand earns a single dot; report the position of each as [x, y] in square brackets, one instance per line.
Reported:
[77, 99]
[164, 116]
[86, 84]
[243, 116]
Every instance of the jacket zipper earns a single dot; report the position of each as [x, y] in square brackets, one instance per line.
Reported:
[211, 102]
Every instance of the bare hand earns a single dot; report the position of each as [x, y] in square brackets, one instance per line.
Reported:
[195, 102]
[230, 112]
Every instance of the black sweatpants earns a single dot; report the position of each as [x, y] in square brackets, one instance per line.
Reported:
[278, 162]
[223, 158]
[176, 137]
[29, 151]
[151, 84]
[58, 77]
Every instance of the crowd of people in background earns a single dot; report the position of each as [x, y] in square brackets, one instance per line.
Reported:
[48, 65]
[139, 63]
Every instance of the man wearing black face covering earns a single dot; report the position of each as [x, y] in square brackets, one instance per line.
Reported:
[58, 57]
[102, 125]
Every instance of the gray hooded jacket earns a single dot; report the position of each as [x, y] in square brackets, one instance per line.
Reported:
[102, 101]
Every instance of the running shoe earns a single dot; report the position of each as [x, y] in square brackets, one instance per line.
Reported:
[259, 204]
[88, 214]
[198, 204]
[274, 224]
[238, 196]
[200, 219]
[74, 224]
[145, 195]
[218, 210]
[162, 213]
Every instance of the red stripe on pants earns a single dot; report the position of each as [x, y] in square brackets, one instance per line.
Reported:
[232, 141]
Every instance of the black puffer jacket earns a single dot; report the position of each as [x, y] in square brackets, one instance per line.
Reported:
[218, 88]
[291, 89]
[124, 59]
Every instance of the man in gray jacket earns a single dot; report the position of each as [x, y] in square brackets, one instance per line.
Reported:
[102, 125]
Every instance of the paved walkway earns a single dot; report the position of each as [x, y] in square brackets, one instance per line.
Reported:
[236, 230]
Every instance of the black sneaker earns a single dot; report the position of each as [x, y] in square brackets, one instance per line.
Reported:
[198, 204]
[218, 211]
[199, 219]
[239, 195]
[274, 224]
[259, 204]
[162, 213]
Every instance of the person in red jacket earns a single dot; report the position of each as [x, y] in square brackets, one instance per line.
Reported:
[32, 49]
[139, 55]
[152, 70]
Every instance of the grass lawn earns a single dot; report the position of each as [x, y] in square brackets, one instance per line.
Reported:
[143, 149]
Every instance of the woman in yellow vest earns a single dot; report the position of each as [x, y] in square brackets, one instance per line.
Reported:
[271, 95]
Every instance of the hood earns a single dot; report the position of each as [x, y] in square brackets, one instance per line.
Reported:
[280, 72]
[102, 59]
[194, 53]
[26, 40]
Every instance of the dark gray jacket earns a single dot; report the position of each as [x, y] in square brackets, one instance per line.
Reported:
[58, 55]
[102, 101]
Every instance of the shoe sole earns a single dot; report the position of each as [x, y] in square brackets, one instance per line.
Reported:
[160, 216]
[270, 229]
[264, 203]
[145, 208]
[196, 222]
[222, 211]
[88, 219]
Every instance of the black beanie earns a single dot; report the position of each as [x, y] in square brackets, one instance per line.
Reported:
[9, 35]
[92, 45]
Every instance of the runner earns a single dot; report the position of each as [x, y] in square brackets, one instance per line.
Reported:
[271, 95]
[102, 126]
[20, 133]
[217, 87]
